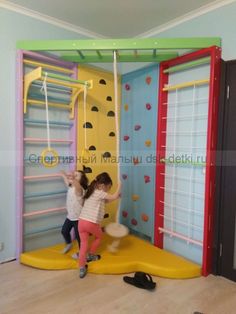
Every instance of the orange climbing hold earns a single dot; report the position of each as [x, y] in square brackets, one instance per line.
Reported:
[145, 217]
[126, 107]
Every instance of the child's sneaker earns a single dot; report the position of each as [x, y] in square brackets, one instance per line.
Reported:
[83, 271]
[67, 248]
[75, 256]
[93, 257]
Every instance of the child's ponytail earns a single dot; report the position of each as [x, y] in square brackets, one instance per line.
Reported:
[90, 189]
[102, 178]
[83, 180]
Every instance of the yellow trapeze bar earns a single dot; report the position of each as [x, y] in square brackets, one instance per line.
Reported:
[186, 84]
[51, 104]
[37, 74]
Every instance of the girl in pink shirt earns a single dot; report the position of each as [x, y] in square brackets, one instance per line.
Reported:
[91, 216]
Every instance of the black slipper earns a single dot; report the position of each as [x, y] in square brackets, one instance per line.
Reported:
[141, 280]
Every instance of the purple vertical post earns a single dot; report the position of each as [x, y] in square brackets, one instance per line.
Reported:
[19, 153]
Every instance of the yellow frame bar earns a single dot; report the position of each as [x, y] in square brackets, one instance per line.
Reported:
[51, 104]
[186, 84]
[47, 66]
[37, 74]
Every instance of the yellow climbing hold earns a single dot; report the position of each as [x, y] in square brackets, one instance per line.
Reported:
[126, 107]
[148, 143]
[135, 197]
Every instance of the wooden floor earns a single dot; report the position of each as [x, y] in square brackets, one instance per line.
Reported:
[28, 290]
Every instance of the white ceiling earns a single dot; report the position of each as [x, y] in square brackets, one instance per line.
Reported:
[116, 18]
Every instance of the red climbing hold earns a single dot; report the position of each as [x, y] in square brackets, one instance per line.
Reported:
[137, 127]
[124, 213]
[148, 106]
[145, 217]
[147, 179]
[134, 222]
[127, 86]
[148, 80]
[126, 137]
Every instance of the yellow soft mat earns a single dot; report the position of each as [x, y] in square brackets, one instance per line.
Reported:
[133, 255]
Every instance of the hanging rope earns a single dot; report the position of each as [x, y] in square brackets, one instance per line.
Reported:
[48, 161]
[44, 88]
[116, 230]
[85, 116]
[85, 151]
[117, 125]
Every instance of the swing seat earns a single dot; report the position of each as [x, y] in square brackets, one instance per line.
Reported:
[116, 230]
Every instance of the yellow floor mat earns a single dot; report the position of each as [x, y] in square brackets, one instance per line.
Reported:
[134, 254]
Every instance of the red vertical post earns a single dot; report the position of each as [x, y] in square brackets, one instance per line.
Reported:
[160, 154]
[210, 160]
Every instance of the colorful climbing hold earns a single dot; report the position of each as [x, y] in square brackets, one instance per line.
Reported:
[102, 82]
[127, 86]
[145, 217]
[126, 107]
[147, 179]
[148, 143]
[124, 176]
[148, 80]
[87, 125]
[92, 147]
[87, 169]
[135, 197]
[94, 108]
[134, 222]
[126, 137]
[111, 113]
[137, 127]
[124, 213]
[135, 161]
[148, 106]
[106, 155]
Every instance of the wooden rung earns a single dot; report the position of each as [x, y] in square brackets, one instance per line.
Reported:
[186, 84]
[180, 236]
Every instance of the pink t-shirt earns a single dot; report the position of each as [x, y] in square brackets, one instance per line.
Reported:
[94, 207]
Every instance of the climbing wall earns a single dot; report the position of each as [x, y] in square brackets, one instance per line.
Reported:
[100, 129]
[138, 150]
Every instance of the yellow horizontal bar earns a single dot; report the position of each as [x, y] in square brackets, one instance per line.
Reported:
[186, 84]
[51, 104]
[47, 66]
[62, 83]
